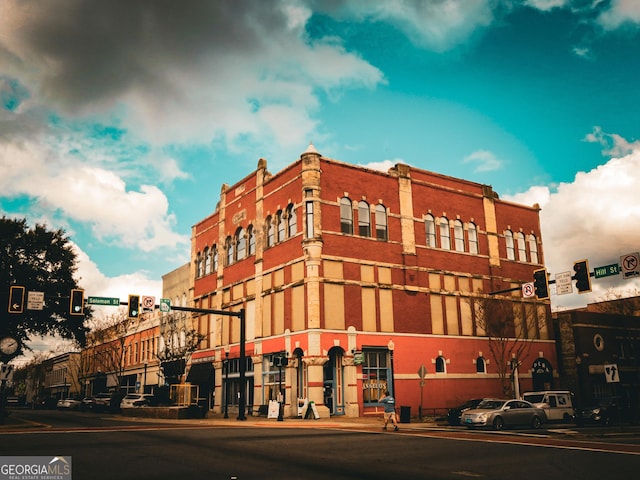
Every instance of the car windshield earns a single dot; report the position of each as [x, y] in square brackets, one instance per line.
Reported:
[490, 404]
[538, 398]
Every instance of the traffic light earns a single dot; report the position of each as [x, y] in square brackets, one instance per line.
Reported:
[541, 283]
[582, 276]
[16, 299]
[76, 303]
[134, 306]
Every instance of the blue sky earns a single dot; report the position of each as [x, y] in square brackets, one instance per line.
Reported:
[120, 120]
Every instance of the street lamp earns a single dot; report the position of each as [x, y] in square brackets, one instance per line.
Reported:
[225, 387]
[391, 346]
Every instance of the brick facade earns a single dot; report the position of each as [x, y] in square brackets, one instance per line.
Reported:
[337, 268]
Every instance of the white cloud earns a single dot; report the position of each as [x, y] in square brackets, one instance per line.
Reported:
[385, 165]
[486, 161]
[620, 12]
[594, 217]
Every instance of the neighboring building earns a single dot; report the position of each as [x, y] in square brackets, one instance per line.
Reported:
[360, 278]
[600, 355]
[122, 356]
[61, 376]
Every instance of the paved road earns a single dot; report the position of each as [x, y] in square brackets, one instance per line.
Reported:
[107, 447]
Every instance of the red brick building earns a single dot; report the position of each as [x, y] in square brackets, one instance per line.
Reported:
[360, 278]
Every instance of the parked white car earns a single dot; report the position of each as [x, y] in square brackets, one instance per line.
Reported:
[68, 403]
[138, 400]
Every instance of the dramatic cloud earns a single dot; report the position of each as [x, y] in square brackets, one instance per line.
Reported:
[596, 216]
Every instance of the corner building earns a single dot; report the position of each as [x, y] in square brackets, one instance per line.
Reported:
[365, 281]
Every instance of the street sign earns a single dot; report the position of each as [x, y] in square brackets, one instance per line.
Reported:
[6, 372]
[105, 301]
[607, 270]
[563, 283]
[422, 371]
[528, 290]
[35, 300]
[630, 265]
[148, 303]
[165, 305]
[611, 373]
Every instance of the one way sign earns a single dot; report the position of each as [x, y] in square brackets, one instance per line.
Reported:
[6, 372]
[611, 373]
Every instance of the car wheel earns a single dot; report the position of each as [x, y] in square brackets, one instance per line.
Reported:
[536, 422]
[498, 423]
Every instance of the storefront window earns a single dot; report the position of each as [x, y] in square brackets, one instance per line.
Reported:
[375, 375]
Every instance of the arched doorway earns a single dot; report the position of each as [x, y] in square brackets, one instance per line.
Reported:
[333, 382]
[542, 374]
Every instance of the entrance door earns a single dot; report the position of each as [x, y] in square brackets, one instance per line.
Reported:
[333, 382]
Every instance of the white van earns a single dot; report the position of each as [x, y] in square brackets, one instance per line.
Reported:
[557, 404]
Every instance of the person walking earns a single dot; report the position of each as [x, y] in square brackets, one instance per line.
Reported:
[389, 410]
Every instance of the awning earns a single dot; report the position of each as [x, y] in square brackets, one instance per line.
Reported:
[201, 373]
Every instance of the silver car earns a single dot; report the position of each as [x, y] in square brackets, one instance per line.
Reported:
[502, 413]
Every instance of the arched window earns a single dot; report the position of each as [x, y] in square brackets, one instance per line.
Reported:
[441, 365]
[214, 259]
[199, 265]
[228, 244]
[364, 219]
[472, 232]
[271, 232]
[481, 365]
[346, 216]
[445, 234]
[292, 220]
[251, 234]
[381, 222]
[281, 226]
[508, 237]
[522, 247]
[533, 248]
[241, 242]
[458, 235]
[207, 261]
[430, 227]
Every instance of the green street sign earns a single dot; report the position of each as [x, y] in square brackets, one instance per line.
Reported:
[607, 270]
[108, 301]
[165, 305]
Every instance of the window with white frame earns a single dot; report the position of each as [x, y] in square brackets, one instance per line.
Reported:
[430, 227]
[381, 222]
[364, 219]
[346, 216]
[508, 238]
[241, 242]
[251, 240]
[472, 234]
[522, 247]
[458, 236]
[292, 221]
[533, 248]
[445, 235]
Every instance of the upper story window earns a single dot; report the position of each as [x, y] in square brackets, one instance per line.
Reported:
[346, 216]
[207, 261]
[271, 232]
[308, 206]
[199, 265]
[472, 233]
[228, 244]
[381, 222]
[251, 238]
[445, 235]
[522, 247]
[430, 227]
[533, 248]
[458, 235]
[241, 243]
[364, 219]
[214, 258]
[281, 225]
[292, 221]
[508, 237]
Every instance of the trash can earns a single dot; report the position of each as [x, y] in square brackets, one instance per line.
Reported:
[405, 414]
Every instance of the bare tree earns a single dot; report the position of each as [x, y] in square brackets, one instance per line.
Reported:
[178, 342]
[106, 346]
[510, 326]
[618, 303]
